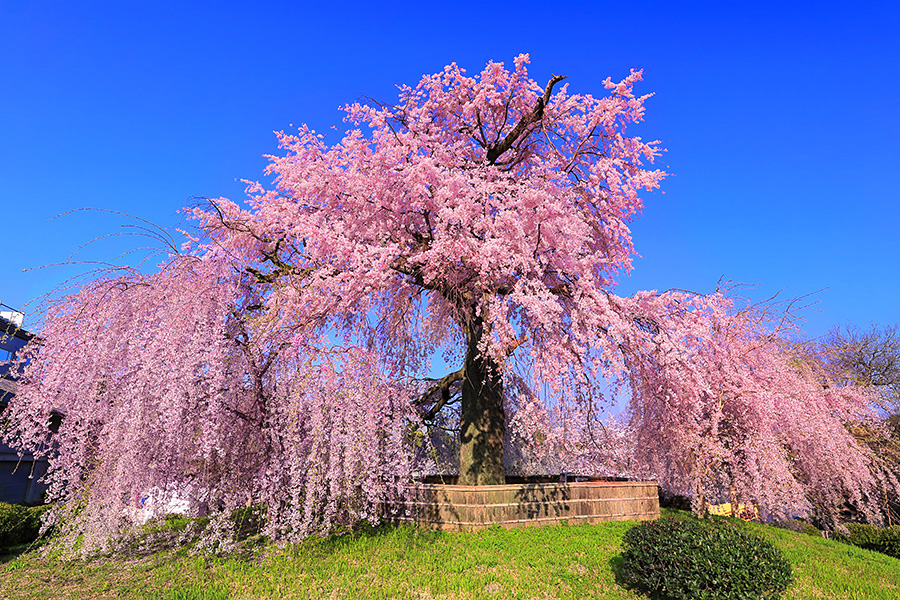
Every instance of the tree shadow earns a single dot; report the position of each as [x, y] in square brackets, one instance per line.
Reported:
[539, 500]
[435, 505]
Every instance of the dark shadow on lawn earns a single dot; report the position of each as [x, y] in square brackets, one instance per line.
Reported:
[617, 566]
[13, 552]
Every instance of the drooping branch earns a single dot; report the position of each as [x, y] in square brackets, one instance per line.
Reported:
[282, 268]
[536, 114]
[515, 345]
[442, 385]
[402, 265]
[564, 290]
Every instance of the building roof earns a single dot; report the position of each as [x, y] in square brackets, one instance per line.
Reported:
[9, 328]
[7, 386]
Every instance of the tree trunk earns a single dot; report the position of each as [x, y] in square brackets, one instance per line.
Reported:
[482, 427]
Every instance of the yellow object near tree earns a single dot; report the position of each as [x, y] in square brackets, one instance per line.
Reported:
[747, 513]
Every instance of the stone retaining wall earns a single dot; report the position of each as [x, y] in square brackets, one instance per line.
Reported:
[469, 508]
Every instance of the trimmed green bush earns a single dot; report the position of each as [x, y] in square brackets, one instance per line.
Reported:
[19, 524]
[885, 540]
[809, 529]
[889, 542]
[798, 526]
[697, 560]
[862, 535]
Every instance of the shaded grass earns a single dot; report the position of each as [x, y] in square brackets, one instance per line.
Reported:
[566, 561]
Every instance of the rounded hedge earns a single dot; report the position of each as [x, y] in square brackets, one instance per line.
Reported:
[697, 560]
[862, 535]
[871, 537]
[889, 542]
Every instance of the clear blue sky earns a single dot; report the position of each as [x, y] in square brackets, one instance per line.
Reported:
[782, 124]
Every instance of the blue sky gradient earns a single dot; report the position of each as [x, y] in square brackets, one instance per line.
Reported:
[781, 123]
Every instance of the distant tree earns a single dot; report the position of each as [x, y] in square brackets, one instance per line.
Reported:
[869, 358]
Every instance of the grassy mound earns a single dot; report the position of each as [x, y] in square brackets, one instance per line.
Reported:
[568, 561]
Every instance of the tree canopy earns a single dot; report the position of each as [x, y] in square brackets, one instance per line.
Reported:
[485, 214]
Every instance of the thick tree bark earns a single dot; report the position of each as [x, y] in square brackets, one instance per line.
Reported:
[482, 423]
[482, 427]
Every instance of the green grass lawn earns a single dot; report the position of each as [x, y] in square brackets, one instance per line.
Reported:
[566, 561]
